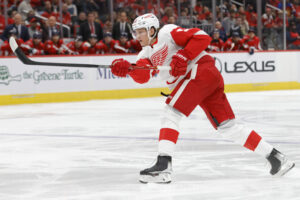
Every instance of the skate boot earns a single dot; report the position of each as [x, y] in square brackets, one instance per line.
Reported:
[280, 165]
[160, 172]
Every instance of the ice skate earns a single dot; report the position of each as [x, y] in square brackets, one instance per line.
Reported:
[160, 172]
[280, 165]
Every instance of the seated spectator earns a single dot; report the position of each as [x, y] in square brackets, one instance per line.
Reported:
[78, 46]
[48, 10]
[49, 28]
[290, 8]
[124, 45]
[234, 43]
[172, 20]
[35, 45]
[66, 16]
[251, 42]
[72, 9]
[216, 43]
[121, 26]
[36, 4]
[24, 7]
[90, 27]
[5, 48]
[22, 31]
[91, 6]
[293, 37]
[222, 31]
[81, 18]
[55, 46]
[33, 26]
[168, 13]
[107, 27]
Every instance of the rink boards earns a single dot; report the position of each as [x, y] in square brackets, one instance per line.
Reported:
[38, 84]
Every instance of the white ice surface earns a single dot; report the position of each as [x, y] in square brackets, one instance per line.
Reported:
[94, 150]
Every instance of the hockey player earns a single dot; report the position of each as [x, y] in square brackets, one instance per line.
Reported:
[55, 46]
[194, 81]
[234, 43]
[251, 41]
[92, 47]
[135, 45]
[216, 44]
[123, 44]
[109, 45]
[35, 45]
[78, 46]
[5, 48]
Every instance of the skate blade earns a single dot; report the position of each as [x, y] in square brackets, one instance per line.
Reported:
[285, 168]
[159, 178]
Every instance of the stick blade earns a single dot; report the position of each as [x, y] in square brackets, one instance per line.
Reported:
[13, 44]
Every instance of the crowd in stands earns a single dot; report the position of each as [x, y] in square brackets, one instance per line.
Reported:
[90, 29]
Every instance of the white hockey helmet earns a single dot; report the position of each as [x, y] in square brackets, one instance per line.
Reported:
[146, 21]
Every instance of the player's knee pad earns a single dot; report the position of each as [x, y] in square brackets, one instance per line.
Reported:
[171, 118]
[234, 131]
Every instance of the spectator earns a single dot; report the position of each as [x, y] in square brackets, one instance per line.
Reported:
[234, 43]
[251, 42]
[293, 37]
[236, 27]
[244, 24]
[184, 20]
[251, 16]
[35, 45]
[168, 13]
[91, 6]
[222, 31]
[90, 27]
[216, 43]
[24, 7]
[290, 8]
[121, 26]
[48, 10]
[66, 16]
[107, 27]
[49, 28]
[81, 18]
[22, 31]
[228, 22]
[268, 31]
[172, 20]
[33, 26]
[36, 4]
[278, 30]
[72, 9]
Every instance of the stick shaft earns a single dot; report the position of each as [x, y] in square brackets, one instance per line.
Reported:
[27, 61]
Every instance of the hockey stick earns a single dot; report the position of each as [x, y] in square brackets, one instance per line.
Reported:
[21, 55]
